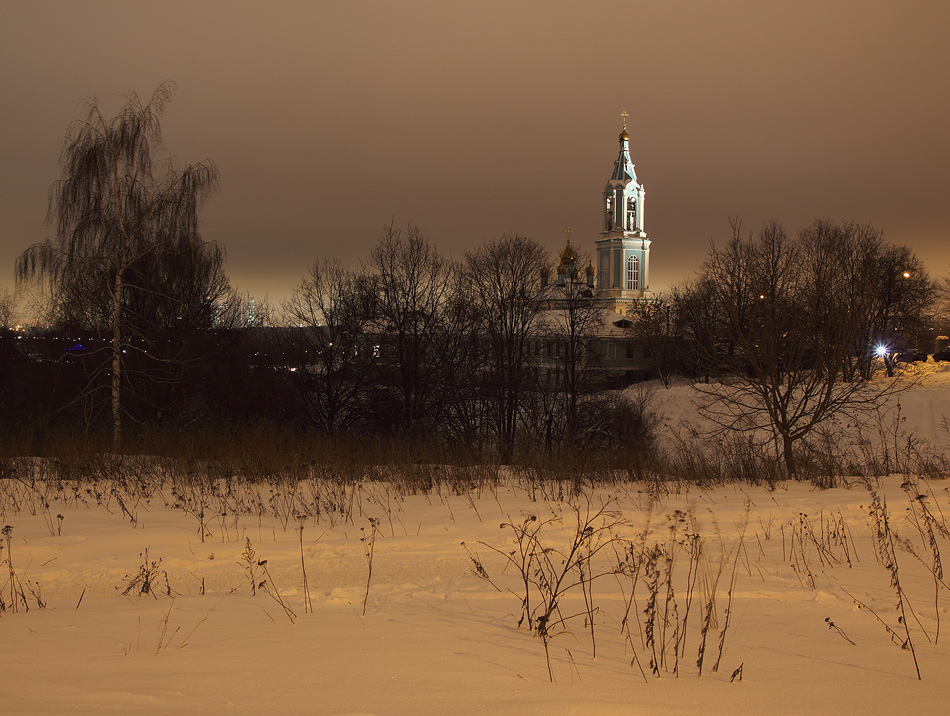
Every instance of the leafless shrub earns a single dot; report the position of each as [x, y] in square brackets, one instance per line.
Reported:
[148, 579]
[549, 572]
[17, 594]
[251, 566]
[931, 529]
[724, 459]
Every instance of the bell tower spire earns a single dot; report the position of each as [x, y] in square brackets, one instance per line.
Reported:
[623, 195]
[623, 251]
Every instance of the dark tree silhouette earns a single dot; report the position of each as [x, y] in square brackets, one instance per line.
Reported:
[570, 326]
[789, 316]
[333, 308]
[504, 277]
[424, 325]
[652, 326]
[124, 218]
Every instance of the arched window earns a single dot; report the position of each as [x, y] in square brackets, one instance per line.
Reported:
[604, 278]
[632, 213]
[633, 273]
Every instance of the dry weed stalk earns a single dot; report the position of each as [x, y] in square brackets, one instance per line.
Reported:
[839, 630]
[369, 550]
[147, 579]
[16, 588]
[260, 578]
[162, 641]
[250, 565]
[548, 573]
[651, 573]
[708, 620]
[307, 604]
[887, 555]
[270, 589]
[931, 529]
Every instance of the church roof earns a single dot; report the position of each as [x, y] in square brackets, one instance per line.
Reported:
[568, 255]
[623, 166]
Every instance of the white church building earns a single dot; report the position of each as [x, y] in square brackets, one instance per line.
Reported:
[619, 274]
[620, 280]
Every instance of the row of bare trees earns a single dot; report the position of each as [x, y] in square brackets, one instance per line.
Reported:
[418, 344]
[415, 344]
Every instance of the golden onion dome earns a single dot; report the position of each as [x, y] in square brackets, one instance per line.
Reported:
[568, 255]
[624, 137]
[589, 270]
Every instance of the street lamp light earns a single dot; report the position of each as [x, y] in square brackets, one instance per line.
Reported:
[883, 352]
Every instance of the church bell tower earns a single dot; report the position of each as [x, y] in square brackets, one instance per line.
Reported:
[623, 251]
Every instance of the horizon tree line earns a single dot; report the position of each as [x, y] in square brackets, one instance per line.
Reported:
[413, 344]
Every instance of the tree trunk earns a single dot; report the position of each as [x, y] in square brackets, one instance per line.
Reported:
[117, 362]
[789, 455]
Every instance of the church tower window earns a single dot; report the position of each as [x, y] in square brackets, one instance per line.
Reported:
[633, 273]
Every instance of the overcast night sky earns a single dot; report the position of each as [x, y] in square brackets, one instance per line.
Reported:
[329, 119]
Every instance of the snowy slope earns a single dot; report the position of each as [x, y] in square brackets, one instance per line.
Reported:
[919, 410]
[762, 572]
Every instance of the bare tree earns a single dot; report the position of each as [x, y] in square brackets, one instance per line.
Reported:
[423, 323]
[901, 295]
[940, 310]
[120, 207]
[333, 306]
[652, 325]
[570, 326]
[504, 277]
[6, 308]
[7, 352]
[579, 320]
[791, 321]
[697, 326]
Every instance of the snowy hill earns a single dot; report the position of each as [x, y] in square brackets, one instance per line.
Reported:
[142, 592]
[918, 411]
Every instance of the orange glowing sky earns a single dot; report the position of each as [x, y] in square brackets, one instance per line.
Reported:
[329, 119]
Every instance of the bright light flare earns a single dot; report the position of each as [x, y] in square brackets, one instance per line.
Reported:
[881, 351]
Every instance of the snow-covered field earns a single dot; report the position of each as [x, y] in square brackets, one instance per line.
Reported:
[791, 592]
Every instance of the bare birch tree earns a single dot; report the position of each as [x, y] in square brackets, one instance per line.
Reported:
[120, 201]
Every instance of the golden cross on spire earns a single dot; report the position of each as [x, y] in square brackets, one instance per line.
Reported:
[568, 231]
[623, 117]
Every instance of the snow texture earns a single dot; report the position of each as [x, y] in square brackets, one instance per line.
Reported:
[790, 578]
